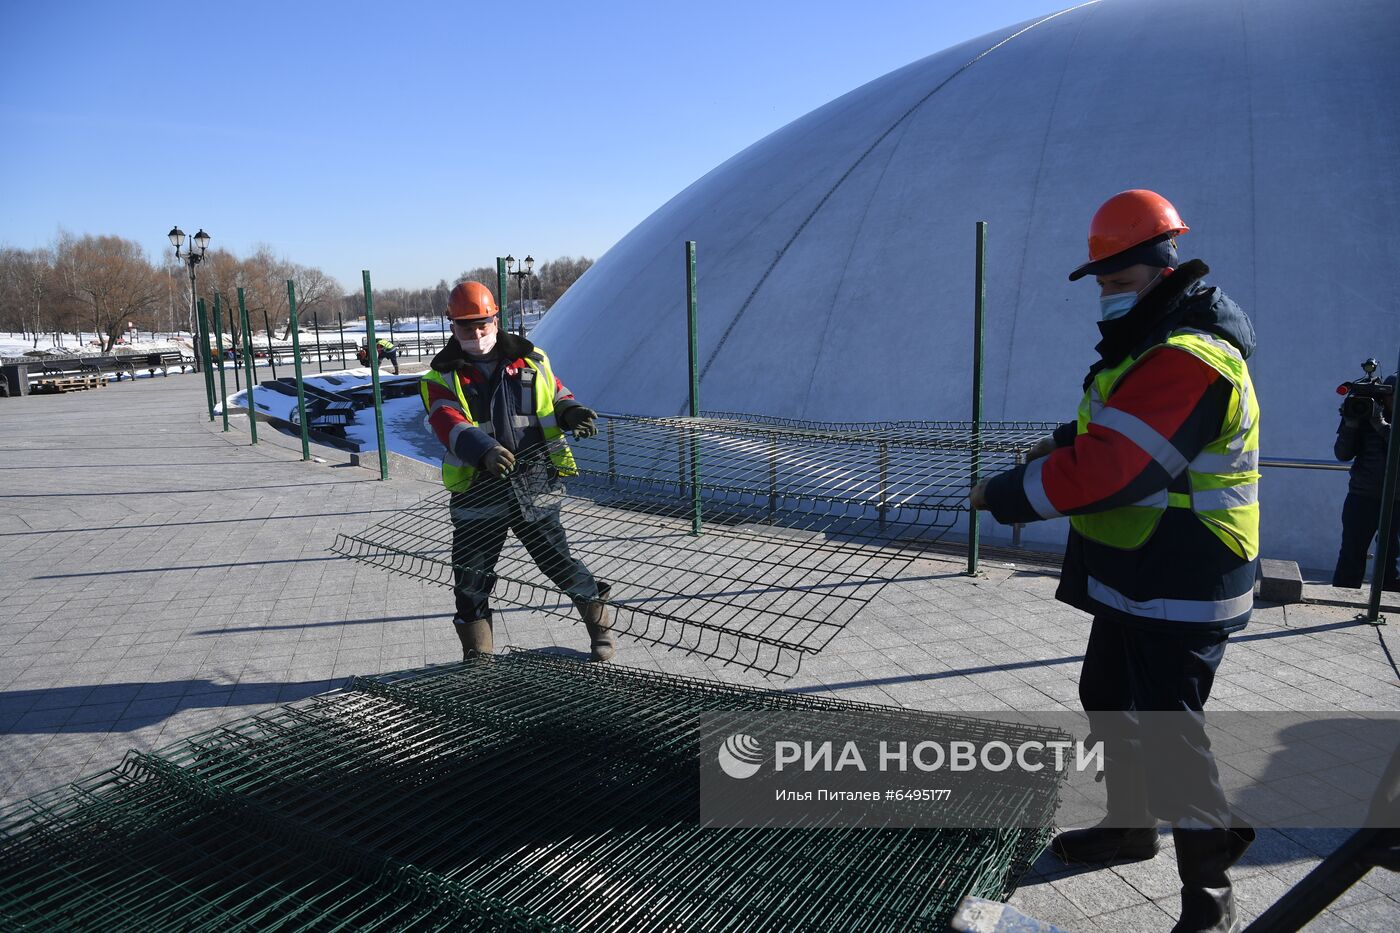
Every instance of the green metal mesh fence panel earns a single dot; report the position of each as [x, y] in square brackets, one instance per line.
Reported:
[803, 524]
[516, 791]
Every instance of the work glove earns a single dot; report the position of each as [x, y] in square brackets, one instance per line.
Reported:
[1042, 448]
[580, 420]
[978, 497]
[498, 462]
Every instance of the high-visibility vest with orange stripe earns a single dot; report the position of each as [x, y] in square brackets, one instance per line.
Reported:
[1223, 478]
[457, 475]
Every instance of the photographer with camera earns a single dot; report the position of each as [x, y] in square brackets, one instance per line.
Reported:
[1363, 438]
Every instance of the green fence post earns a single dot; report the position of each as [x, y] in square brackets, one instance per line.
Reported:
[1016, 529]
[612, 456]
[271, 354]
[235, 337]
[695, 516]
[296, 363]
[501, 291]
[772, 476]
[884, 482]
[1383, 555]
[374, 377]
[979, 315]
[682, 468]
[219, 348]
[202, 354]
[248, 364]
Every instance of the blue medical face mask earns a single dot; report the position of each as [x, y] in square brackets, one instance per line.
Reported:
[1112, 307]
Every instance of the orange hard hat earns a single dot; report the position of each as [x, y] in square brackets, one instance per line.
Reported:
[1128, 219]
[471, 301]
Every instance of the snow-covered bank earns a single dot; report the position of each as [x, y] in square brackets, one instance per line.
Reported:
[405, 431]
[87, 344]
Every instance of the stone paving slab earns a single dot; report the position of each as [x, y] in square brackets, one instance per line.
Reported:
[159, 577]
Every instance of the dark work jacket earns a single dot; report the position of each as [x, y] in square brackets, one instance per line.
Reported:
[1181, 550]
[1365, 445]
[496, 401]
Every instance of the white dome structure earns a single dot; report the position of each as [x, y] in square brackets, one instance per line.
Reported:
[836, 256]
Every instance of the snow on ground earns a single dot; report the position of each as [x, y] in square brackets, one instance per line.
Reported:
[90, 344]
[86, 344]
[405, 431]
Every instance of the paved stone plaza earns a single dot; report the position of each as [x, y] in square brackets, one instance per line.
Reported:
[159, 577]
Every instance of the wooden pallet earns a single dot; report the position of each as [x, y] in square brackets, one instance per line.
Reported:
[73, 383]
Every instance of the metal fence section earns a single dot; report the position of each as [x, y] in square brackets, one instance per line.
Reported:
[804, 524]
[512, 792]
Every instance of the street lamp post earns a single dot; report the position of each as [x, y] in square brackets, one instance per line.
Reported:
[521, 276]
[192, 255]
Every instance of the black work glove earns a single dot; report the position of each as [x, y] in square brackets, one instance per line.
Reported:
[1042, 448]
[580, 420]
[498, 461]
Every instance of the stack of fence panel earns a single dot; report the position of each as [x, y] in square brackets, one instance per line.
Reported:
[519, 791]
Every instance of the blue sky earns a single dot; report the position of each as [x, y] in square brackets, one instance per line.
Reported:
[415, 139]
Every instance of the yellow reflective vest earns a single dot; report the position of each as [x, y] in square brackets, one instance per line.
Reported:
[457, 476]
[1223, 479]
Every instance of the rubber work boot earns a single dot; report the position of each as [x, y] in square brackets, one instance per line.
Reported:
[475, 636]
[1202, 859]
[598, 621]
[1128, 832]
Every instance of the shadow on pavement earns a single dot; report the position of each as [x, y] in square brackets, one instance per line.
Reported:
[124, 707]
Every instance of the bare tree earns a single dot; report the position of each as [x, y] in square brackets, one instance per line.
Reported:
[12, 299]
[102, 282]
[220, 274]
[112, 279]
[25, 275]
[315, 290]
[177, 295]
[556, 276]
[438, 303]
[265, 278]
[265, 281]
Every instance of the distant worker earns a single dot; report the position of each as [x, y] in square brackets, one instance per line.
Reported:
[1363, 437]
[387, 351]
[490, 395]
[1158, 475]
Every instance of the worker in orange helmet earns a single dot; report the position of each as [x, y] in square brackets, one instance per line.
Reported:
[491, 395]
[1158, 475]
[384, 350]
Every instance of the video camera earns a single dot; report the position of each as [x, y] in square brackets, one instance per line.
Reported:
[1363, 394]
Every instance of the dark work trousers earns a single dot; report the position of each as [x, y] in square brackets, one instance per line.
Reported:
[391, 355]
[1361, 516]
[1127, 671]
[477, 543]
